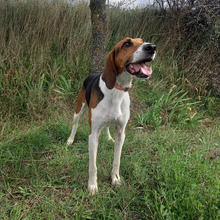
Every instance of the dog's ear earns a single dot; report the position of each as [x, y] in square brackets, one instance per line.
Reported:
[110, 72]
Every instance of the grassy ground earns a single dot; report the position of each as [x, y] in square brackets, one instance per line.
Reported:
[170, 170]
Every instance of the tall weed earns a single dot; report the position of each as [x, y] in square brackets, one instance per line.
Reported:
[52, 39]
[172, 108]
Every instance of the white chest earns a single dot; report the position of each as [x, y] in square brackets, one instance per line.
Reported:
[110, 110]
[113, 108]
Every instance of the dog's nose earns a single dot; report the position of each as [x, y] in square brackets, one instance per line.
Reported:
[150, 48]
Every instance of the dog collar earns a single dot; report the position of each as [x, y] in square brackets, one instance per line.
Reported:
[122, 88]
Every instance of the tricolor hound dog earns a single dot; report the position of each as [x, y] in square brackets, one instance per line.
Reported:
[106, 96]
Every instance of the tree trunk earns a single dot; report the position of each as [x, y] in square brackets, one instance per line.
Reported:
[98, 19]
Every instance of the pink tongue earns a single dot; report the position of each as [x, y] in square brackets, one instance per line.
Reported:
[143, 69]
[146, 70]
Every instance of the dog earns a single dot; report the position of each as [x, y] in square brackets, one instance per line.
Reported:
[106, 96]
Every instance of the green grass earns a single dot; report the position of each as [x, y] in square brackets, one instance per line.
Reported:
[168, 171]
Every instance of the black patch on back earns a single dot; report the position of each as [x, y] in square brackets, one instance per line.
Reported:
[90, 83]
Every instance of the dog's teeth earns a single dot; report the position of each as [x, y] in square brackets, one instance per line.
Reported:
[132, 66]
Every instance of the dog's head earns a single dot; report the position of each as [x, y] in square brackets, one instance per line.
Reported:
[129, 55]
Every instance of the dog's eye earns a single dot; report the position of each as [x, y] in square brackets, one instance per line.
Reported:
[127, 44]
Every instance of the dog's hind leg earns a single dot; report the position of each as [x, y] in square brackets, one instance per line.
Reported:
[109, 135]
[81, 106]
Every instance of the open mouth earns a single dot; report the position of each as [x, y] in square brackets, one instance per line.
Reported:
[139, 69]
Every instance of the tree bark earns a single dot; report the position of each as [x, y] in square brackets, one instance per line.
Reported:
[98, 19]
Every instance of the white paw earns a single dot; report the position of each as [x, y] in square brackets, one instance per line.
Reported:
[116, 181]
[92, 188]
[111, 139]
[69, 142]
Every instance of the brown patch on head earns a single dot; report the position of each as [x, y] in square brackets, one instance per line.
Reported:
[118, 57]
[80, 100]
[117, 51]
[126, 49]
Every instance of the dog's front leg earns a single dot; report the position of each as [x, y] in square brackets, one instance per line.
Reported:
[119, 141]
[93, 146]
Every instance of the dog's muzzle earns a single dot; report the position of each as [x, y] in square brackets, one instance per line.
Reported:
[139, 68]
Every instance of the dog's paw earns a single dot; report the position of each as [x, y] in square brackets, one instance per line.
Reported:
[69, 142]
[109, 136]
[111, 139]
[92, 188]
[116, 181]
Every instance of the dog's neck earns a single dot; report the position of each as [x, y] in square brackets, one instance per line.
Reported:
[124, 79]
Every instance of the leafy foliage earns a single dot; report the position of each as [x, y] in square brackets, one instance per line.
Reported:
[171, 108]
